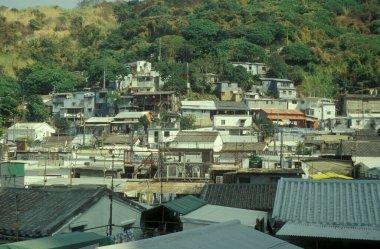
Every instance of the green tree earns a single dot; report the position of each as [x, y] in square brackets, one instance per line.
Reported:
[175, 83]
[114, 99]
[36, 110]
[108, 67]
[261, 34]
[241, 50]
[62, 125]
[187, 122]
[9, 87]
[8, 108]
[266, 128]
[144, 122]
[277, 67]
[298, 54]
[41, 80]
[239, 75]
[201, 30]
[90, 35]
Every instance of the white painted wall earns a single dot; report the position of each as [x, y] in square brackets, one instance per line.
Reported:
[232, 121]
[98, 215]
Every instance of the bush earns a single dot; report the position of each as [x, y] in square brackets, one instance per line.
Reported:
[297, 54]
[260, 35]
[35, 25]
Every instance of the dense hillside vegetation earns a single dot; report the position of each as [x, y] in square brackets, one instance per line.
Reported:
[324, 46]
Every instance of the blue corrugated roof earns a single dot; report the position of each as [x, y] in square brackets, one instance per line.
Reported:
[335, 203]
[327, 231]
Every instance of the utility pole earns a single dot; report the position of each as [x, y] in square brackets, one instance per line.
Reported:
[282, 150]
[111, 195]
[159, 49]
[187, 79]
[45, 179]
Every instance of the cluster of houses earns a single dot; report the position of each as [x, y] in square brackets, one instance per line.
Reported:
[126, 172]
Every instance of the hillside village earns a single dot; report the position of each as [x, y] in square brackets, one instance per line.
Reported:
[164, 124]
[157, 164]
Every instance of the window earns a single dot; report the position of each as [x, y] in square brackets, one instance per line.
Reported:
[358, 122]
[78, 228]
[166, 134]
[244, 180]
[328, 113]
[290, 92]
[294, 102]
[102, 95]
[303, 102]
[284, 92]
[223, 122]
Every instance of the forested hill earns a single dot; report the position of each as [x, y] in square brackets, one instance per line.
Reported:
[324, 46]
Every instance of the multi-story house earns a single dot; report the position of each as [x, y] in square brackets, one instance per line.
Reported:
[278, 88]
[254, 68]
[321, 108]
[358, 103]
[226, 91]
[156, 102]
[202, 110]
[74, 106]
[142, 78]
[103, 106]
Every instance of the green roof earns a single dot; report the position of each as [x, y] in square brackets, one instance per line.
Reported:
[185, 204]
[61, 241]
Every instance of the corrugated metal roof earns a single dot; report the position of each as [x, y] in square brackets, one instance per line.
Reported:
[247, 196]
[99, 120]
[130, 115]
[361, 148]
[185, 204]
[61, 241]
[222, 236]
[214, 213]
[328, 202]
[329, 231]
[29, 126]
[282, 111]
[231, 105]
[196, 136]
[200, 104]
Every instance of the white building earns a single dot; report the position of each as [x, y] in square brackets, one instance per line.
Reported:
[32, 131]
[234, 124]
[364, 121]
[373, 173]
[197, 140]
[254, 68]
[321, 108]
